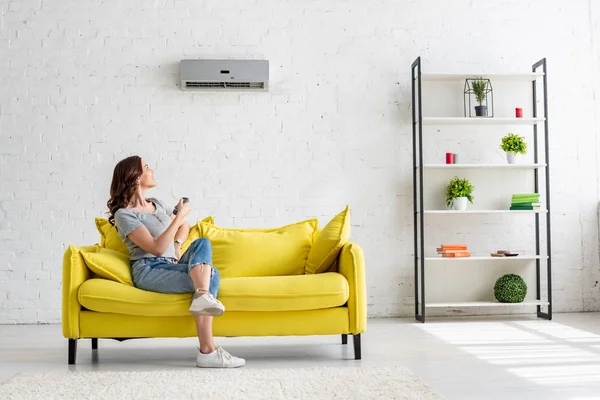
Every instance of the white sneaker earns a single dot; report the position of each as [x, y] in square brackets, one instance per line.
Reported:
[219, 359]
[207, 305]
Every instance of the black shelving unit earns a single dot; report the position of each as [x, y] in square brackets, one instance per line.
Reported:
[539, 71]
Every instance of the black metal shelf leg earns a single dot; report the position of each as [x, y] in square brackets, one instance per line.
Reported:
[542, 64]
[419, 235]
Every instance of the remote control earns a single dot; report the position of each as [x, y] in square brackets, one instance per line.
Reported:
[185, 200]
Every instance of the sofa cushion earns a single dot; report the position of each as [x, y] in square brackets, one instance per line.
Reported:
[328, 243]
[260, 252]
[109, 237]
[272, 293]
[108, 296]
[108, 264]
[284, 293]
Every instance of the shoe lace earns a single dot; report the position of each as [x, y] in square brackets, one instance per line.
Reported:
[225, 356]
[211, 297]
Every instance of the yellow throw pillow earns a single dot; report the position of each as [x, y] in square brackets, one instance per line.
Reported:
[260, 252]
[110, 239]
[108, 264]
[328, 244]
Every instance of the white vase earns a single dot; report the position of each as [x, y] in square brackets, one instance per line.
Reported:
[511, 157]
[460, 203]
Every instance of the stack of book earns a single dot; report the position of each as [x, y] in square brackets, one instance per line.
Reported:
[454, 250]
[526, 201]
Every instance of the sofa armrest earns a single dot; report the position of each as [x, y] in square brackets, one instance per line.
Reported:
[75, 272]
[351, 264]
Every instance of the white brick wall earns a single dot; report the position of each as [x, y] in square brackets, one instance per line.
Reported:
[84, 84]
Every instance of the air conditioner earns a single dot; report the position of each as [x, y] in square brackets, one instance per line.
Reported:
[239, 75]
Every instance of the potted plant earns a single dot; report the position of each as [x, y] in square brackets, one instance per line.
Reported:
[479, 89]
[458, 191]
[513, 144]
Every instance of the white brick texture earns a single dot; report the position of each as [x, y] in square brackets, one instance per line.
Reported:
[84, 84]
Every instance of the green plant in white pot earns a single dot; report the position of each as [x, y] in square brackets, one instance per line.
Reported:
[458, 192]
[513, 144]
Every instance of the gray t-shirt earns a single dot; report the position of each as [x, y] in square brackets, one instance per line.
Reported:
[128, 220]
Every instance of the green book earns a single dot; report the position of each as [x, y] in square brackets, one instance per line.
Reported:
[529, 208]
[525, 203]
[521, 195]
[524, 200]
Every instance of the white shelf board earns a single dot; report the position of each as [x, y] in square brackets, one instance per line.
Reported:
[483, 166]
[484, 211]
[480, 121]
[526, 77]
[463, 304]
[523, 257]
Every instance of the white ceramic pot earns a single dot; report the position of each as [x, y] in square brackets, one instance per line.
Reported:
[460, 203]
[511, 157]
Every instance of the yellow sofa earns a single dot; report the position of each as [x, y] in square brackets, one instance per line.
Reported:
[331, 302]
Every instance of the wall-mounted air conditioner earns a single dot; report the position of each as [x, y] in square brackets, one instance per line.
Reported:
[241, 75]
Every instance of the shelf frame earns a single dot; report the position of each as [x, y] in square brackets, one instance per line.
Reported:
[451, 212]
[538, 72]
[525, 257]
[535, 67]
[481, 121]
[483, 166]
[462, 304]
[419, 237]
[450, 77]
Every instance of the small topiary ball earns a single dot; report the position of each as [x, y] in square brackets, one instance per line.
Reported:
[510, 288]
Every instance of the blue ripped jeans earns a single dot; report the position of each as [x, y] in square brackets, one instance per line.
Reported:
[165, 275]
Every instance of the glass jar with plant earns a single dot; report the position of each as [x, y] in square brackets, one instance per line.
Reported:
[479, 86]
[513, 144]
[458, 191]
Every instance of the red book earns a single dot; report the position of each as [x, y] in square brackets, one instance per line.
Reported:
[457, 254]
[451, 251]
[454, 247]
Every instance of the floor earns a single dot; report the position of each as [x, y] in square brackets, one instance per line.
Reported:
[462, 358]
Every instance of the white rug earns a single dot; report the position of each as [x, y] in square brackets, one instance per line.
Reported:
[244, 383]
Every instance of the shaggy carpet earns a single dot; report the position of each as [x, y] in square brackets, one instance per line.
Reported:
[212, 384]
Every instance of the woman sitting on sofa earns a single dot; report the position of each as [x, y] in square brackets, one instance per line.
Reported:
[153, 235]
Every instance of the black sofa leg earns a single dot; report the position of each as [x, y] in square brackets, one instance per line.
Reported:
[94, 343]
[357, 355]
[72, 351]
[344, 338]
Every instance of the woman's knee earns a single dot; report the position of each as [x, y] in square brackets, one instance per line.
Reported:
[201, 242]
[201, 252]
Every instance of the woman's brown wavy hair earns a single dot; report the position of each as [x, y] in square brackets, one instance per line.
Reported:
[124, 184]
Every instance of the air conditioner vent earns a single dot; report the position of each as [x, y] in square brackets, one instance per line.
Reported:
[224, 85]
[242, 75]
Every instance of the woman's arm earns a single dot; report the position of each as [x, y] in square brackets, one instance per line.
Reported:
[157, 247]
[181, 234]
[183, 231]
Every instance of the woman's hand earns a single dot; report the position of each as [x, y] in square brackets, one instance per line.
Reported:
[183, 209]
